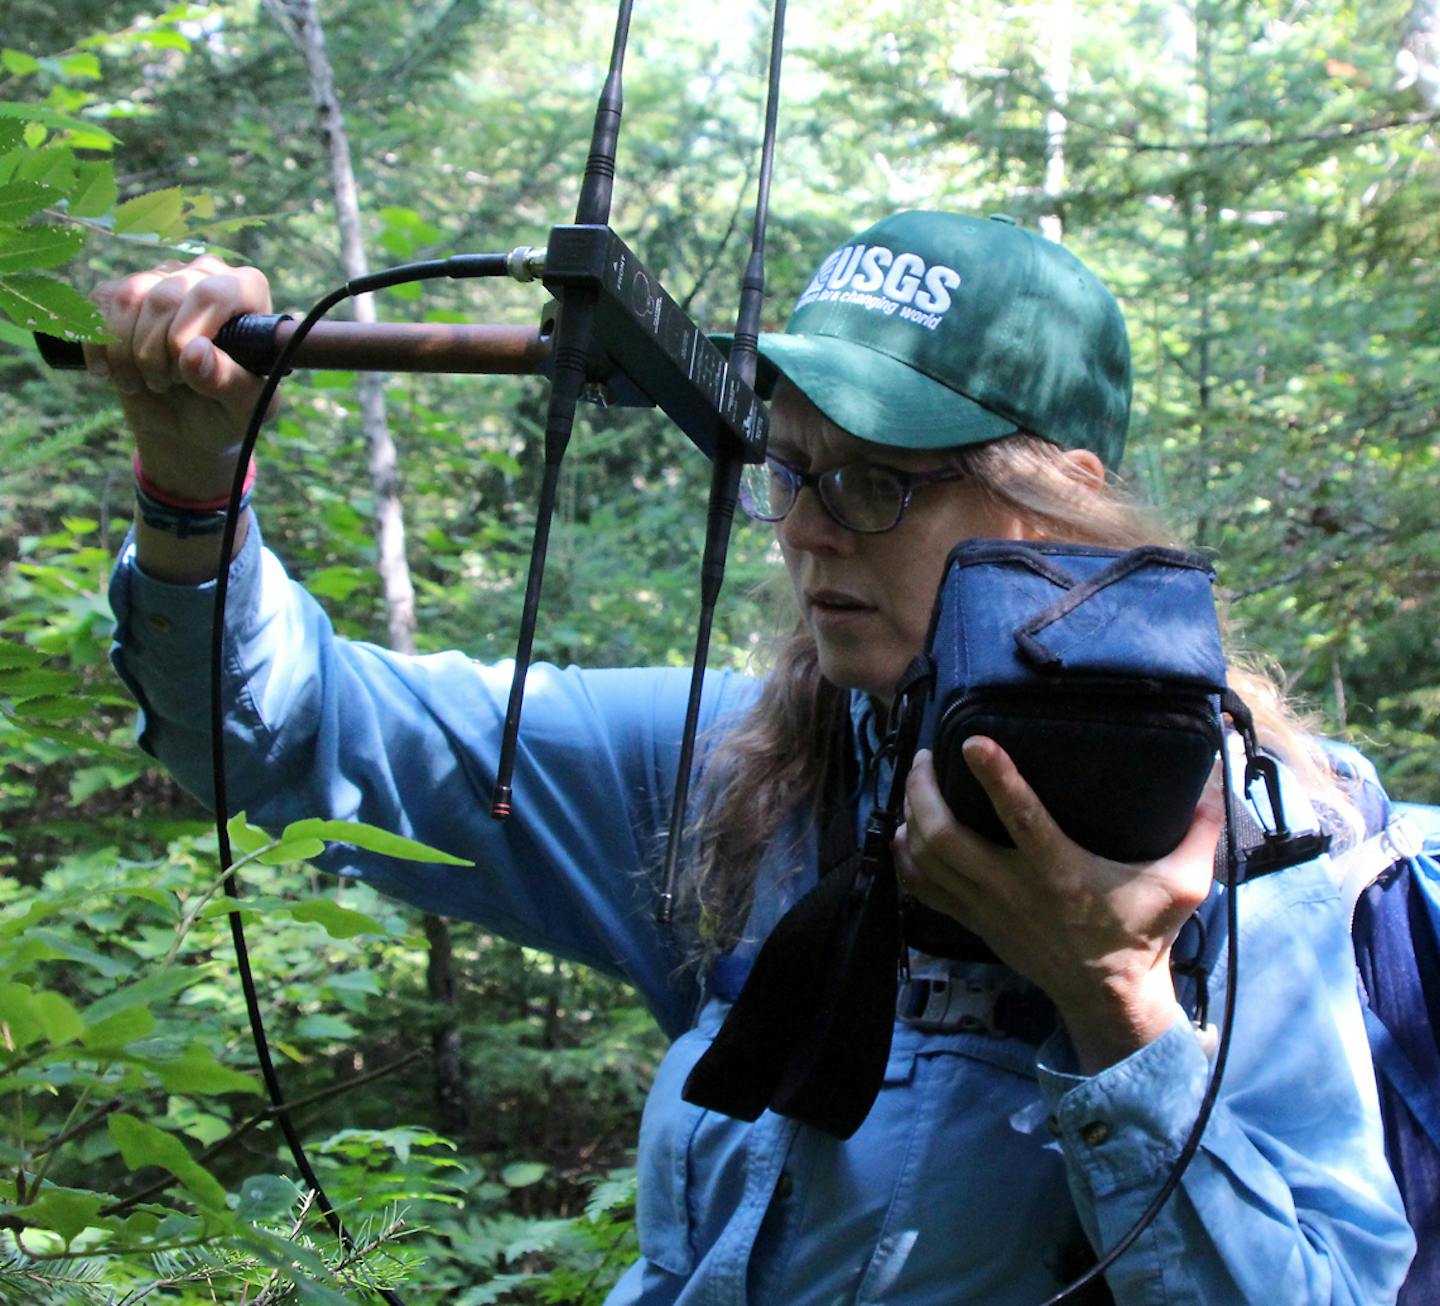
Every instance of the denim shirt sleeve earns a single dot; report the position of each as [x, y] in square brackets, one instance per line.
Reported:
[1289, 1198]
[320, 726]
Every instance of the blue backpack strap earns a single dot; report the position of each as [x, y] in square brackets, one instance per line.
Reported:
[1422, 1098]
[1391, 881]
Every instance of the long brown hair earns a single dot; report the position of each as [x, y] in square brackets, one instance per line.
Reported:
[770, 765]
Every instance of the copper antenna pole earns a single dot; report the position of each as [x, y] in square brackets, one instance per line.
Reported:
[255, 340]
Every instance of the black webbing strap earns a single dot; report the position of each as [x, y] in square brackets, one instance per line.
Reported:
[809, 1034]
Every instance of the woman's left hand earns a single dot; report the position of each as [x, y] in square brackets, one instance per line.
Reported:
[1094, 934]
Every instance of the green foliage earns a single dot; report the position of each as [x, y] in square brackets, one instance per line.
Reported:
[53, 192]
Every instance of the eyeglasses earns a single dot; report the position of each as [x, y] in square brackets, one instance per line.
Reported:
[865, 497]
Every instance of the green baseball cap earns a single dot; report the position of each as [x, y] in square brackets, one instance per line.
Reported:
[930, 330]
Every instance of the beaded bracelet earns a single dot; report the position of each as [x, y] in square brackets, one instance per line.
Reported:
[184, 517]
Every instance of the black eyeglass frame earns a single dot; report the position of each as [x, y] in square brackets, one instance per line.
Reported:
[796, 480]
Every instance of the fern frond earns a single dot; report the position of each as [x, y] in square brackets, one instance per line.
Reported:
[21, 452]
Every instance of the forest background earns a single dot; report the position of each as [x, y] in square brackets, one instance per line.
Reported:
[1257, 181]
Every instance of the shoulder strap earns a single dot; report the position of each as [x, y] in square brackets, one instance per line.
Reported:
[1356, 869]
[1421, 1097]
[835, 838]
[1387, 886]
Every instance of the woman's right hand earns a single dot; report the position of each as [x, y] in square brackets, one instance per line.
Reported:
[186, 402]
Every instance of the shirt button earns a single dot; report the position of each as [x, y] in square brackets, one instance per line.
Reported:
[784, 1185]
[160, 621]
[1095, 1133]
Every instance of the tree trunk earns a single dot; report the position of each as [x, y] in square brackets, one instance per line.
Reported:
[1062, 18]
[301, 19]
[1417, 62]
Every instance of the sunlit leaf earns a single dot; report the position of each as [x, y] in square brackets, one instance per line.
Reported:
[244, 837]
[40, 303]
[339, 922]
[33, 113]
[156, 213]
[68, 1211]
[292, 850]
[521, 1174]
[370, 838]
[22, 199]
[95, 190]
[19, 1026]
[21, 683]
[18, 63]
[142, 1145]
[266, 1197]
[119, 1029]
[197, 1072]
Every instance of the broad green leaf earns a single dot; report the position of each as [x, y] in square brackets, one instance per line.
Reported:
[23, 199]
[292, 850]
[71, 739]
[38, 909]
[119, 1029]
[14, 655]
[156, 213]
[70, 948]
[521, 1174]
[58, 1018]
[322, 1025]
[90, 780]
[84, 66]
[400, 1140]
[205, 1127]
[266, 1197]
[143, 1144]
[158, 987]
[160, 897]
[18, 63]
[38, 682]
[19, 1026]
[335, 582]
[40, 303]
[197, 1072]
[339, 922]
[68, 1211]
[249, 908]
[95, 191]
[13, 336]
[27, 249]
[53, 708]
[370, 838]
[165, 38]
[244, 837]
[59, 121]
[54, 165]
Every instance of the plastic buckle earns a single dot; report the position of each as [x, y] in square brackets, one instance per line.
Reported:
[1279, 852]
[944, 1003]
[1401, 839]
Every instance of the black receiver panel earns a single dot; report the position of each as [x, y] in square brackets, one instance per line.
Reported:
[652, 342]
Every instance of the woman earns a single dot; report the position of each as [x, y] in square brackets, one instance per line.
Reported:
[942, 377]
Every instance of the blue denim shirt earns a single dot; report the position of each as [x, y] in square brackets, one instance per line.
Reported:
[984, 1161]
